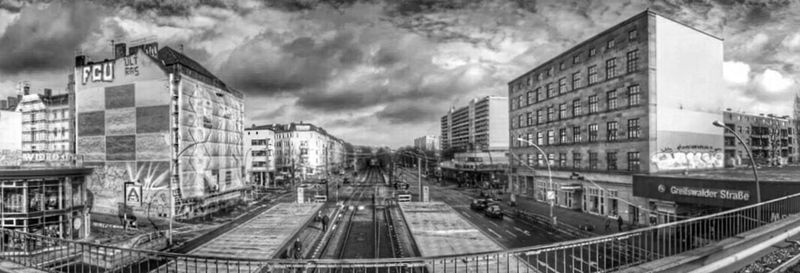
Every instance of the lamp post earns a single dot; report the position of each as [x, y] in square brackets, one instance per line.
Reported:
[551, 192]
[749, 154]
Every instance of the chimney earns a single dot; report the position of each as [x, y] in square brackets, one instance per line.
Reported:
[48, 92]
[26, 90]
[80, 60]
[120, 50]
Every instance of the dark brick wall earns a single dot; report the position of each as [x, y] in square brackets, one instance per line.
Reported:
[120, 96]
[152, 119]
[91, 123]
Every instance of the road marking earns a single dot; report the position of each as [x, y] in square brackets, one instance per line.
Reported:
[510, 233]
[495, 233]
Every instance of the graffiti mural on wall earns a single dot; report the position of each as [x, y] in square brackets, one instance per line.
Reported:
[106, 184]
[10, 158]
[687, 157]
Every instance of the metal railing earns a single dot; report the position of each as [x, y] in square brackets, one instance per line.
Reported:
[597, 254]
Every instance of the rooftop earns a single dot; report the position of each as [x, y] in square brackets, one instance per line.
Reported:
[776, 174]
[171, 57]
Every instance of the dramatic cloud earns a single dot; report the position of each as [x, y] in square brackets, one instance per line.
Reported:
[45, 37]
[380, 71]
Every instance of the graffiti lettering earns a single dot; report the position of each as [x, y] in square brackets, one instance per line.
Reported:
[681, 160]
[98, 72]
[132, 65]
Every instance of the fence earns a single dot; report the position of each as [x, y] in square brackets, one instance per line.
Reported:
[597, 254]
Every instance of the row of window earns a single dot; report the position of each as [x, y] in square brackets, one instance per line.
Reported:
[549, 91]
[612, 161]
[549, 113]
[549, 137]
[610, 44]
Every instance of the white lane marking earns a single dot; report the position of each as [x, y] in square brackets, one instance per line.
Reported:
[495, 233]
[465, 214]
[511, 233]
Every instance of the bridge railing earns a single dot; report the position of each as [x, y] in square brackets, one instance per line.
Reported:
[597, 254]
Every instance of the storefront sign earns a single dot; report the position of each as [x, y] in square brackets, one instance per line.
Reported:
[728, 194]
[41, 157]
[102, 72]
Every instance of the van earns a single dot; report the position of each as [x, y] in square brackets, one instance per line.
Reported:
[320, 199]
[403, 198]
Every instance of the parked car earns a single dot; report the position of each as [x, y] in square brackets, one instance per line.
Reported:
[493, 210]
[480, 203]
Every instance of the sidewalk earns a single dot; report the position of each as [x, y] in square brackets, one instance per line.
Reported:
[571, 218]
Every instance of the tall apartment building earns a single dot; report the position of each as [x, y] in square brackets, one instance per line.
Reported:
[259, 147]
[430, 143]
[481, 125]
[158, 119]
[772, 139]
[304, 150]
[635, 99]
[47, 129]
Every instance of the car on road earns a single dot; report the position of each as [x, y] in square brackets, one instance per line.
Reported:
[493, 210]
[480, 203]
[320, 199]
[346, 181]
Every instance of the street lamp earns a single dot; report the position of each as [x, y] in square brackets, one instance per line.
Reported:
[749, 154]
[551, 192]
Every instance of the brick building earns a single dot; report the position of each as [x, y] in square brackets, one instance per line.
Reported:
[626, 101]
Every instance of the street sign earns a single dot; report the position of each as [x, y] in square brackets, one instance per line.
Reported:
[551, 195]
[425, 195]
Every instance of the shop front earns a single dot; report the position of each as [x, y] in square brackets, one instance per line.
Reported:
[48, 202]
[567, 194]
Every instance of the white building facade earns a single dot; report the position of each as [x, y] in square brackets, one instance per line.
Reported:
[259, 142]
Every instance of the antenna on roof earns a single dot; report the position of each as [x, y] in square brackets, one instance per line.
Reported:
[181, 47]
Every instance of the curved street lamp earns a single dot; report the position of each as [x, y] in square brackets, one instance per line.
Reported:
[749, 154]
[549, 177]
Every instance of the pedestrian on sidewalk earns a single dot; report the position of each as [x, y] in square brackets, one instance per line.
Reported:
[325, 223]
[608, 224]
[619, 223]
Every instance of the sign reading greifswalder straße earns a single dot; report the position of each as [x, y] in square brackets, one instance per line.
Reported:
[707, 193]
[698, 191]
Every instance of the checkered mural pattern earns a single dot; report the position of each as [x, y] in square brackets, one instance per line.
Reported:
[123, 131]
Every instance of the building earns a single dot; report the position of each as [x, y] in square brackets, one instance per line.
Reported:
[259, 145]
[483, 124]
[772, 139]
[44, 201]
[48, 137]
[158, 119]
[430, 143]
[637, 98]
[303, 150]
[10, 135]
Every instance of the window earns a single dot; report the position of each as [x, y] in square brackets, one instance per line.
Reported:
[520, 121]
[611, 158]
[520, 101]
[539, 159]
[633, 95]
[632, 35]
[551, 137]
[562, 111]
[592, 161]
[611, 127]
[551, 158]
[611, 97]
[550, 113]
[529, 139]
[593, 75]
[592, 52]
[531, 97]
[561, 66]
[576, 80]
[540, 116]
[576, 108]
[539, 138]
[593, 104]
[529, 118]
[551, 90]
[562, 160]
[592, 132]
[610, 44]
[633, 128]
[576, 134]
[562, 85]
[576, 59]
[633, 61]
[539, 95]
[539, 76]
[576, 160]
[513, 103]
[611, 68]
[633, 161]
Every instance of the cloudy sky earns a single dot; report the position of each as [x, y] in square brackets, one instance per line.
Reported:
[381, 72]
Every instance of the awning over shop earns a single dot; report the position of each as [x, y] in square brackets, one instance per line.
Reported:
[572, 187]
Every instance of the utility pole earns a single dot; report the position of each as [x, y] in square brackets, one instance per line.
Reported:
[419, 177]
